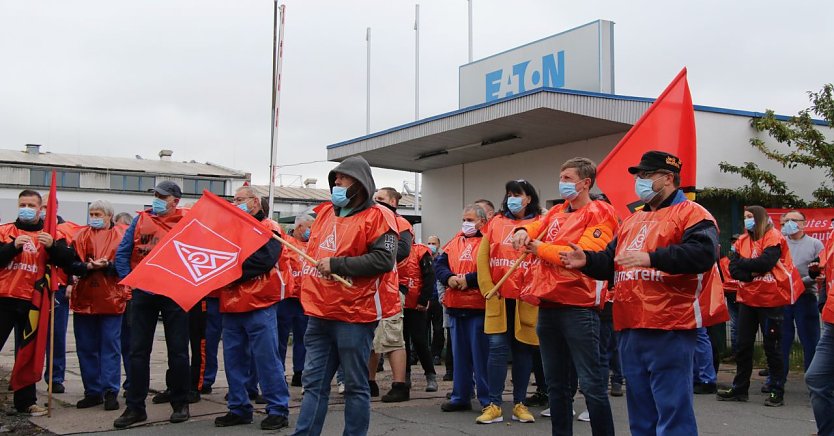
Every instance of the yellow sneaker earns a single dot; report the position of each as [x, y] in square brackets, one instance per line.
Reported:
[522, 414]
[491, 414]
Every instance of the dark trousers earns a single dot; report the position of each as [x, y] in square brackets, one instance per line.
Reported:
[144, 313]
[434, 327]
[538, 372]
[749, 320]
[414, 332]
[14, 314]
[197, 318]
[449, 361]
[125, 340]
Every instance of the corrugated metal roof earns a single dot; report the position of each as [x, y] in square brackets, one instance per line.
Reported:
[102, 163]
[312, 195]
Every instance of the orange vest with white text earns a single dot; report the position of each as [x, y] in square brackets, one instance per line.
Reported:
[411, 275]
[149, 230]
[649, 298]
[369, 299]
[98, 293]
[296, 264]
[17, 279]
[462, 252]
[827, 266]
[555, 283]
[731, 285]
[779, 286]
[502, 255]
[256, 293]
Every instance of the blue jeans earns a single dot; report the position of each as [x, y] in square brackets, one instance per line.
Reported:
[59, 361]
[251, 337]
[97, 340]
[214, 326]
[703, 370]
[658, 367]
[732, 307]
[144, 313]
[330, 344]
[820, 381]
[570, 335]
[608, 349]
[499, 353]
[471, 349]
[805, 315]
[291, 318]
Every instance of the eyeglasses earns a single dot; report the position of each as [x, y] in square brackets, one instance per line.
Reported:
[798, 220]
[649, 174]
[241, 200]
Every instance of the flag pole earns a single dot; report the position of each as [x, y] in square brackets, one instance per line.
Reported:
[310, 259]
[491, 293]
[470, 30]
[51, 343]
[368, 84]
[277, 63]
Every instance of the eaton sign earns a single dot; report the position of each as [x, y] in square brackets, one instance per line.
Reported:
[581, 59]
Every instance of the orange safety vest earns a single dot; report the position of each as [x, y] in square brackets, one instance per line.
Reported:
[502, 255]
[98, 293]
[462, 253]
[410, 274]
[731, 285]
[284, 261]
[555, 283]
[259, 292]
[649, 298]
[827, 266]
[18, 278]
[149, 230]
[370, 298]
[779, 286]
[403, 225]
[296, 265]
[69, 229]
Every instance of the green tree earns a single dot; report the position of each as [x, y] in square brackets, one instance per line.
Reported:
[806, 147]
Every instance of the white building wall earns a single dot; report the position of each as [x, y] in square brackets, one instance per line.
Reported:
[72, 205]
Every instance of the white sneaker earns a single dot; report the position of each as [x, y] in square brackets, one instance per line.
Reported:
[35, 410]
[341, 387]
[546, 412]
[584, 416]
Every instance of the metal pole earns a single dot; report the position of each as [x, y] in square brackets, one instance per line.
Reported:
[277, 62]
[368, 85]
[470, 29]
[416, 62]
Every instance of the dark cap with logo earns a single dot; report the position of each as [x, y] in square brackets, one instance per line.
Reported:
[657, 161]
[167, 188]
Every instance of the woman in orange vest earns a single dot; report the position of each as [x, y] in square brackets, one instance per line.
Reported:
[509, 322]
[763, 266]
[820, 374]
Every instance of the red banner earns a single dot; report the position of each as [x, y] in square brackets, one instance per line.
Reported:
[818, 222]
[203, 252]
[668, 125]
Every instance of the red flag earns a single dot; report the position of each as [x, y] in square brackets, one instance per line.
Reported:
[28, 363]
[203, 252]
[668, 125]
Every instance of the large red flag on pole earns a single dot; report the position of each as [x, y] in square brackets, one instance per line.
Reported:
[203, 252]
[668, 125]
[28, 364]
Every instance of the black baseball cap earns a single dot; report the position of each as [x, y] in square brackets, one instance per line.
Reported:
[656, 161]
[167, 188]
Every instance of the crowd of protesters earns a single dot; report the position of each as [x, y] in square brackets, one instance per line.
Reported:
[572, 296]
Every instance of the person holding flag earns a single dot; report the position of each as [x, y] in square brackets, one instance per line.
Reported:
[355, 238]
[26, 246]
[820, 375]
[250, 328]
[147, 229]
[663, 259]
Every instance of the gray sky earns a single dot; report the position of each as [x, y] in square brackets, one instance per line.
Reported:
[122, 78]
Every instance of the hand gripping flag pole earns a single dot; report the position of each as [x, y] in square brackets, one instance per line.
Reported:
[512, 269]
[310, 259]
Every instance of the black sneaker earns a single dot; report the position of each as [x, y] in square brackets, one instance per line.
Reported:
[89, 401]
[274, 422]
[374, 388]
[130, 417]
[296, 379]
[538, 399]
[764, 372]
[111, 401]
[162, 397]
[731, 395]
[181, 414]
[447, 376]
[194, 397]
[775, 399]
[206, 390]
[452, 407]
[231, 419]
[616, 390]
[704, 388]
[436, 360]
[58, 388]
[399, 392]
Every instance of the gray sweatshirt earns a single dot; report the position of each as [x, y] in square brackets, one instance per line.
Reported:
[803, 251]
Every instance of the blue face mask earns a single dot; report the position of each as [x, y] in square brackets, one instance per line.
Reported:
[733, 248]
[749, 223]
[97, 223]
[339, 196]
[514, 204]
[790, 228]
[568, 190]
[159, 206]
[43, 214]
[26, 214]
[243, 207]
[306, 235]
[643, 189]
[433, 249]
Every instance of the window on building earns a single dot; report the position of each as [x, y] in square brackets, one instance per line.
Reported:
[218, 187]
[64, 179]
[120, 182]
[197, 186]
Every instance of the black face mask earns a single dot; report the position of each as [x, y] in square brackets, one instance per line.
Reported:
[392, 208]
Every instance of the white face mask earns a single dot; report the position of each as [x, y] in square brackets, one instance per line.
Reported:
[468, 228]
